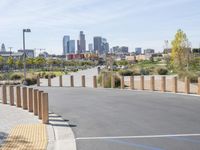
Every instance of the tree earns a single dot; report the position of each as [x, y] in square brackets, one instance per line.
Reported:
[1, 62]
[19, 64]
[10, 61]
[39, 61]
[180, 51]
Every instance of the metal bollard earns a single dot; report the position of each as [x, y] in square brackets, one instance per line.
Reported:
[60, 81]
[95, 81]
[113, 81]
[18, 100]
[122, 82]
[12, 96]
[83, 81]
[163, 84]
[35, 102]
[187, 85]
[45, 108]
[4, 94]
[30, 99]
[152, 83]
[72, 81]
[49, 80]
[39, 102]
[141, 82]
[132, 85]
[38, 80]
[174, 88]
[198, 86]
[24, 102]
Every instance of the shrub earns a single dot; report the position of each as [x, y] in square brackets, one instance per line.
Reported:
[1, 77]
[31, 81]
[144, 71]
[162, 71]
[126, 73]
[191, 75]
[52, 75]
[16, 76]
[108, 80]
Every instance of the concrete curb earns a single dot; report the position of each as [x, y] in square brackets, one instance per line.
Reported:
[61, 136]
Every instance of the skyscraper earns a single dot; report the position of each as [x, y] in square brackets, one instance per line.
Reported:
[3, 48]
[138, 51]
[97, 44]
[81, 43]
[66, 40]
[90, 47]
[105, 46]
[72, 46]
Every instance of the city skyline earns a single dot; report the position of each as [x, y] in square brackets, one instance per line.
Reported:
[143, 24]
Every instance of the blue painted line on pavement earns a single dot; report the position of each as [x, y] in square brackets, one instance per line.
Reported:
[146, 147]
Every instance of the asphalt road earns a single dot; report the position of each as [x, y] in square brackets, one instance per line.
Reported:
[106, 119]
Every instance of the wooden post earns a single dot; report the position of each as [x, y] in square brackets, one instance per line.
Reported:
[12, 96]
[95, 81]
[152, 83]
[113, 81]
[4, 94]
[72, 81]
[49, 80]
[198, 86]
[163, 84]
[132, 85]
[187, 85]
[174, 88]
[141, 82]
[18, 100]
[60, 81]
[83, 81]
[38, 80]
[39, 102]
[35, 102]
[122, 82]
[24, 102]
[103, 80]
[45, 109]
[30, 99]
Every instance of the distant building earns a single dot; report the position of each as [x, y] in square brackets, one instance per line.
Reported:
[138, 51]
[120, 50]
[29, 52]
[15, 56]
[81, 43]
[104, 46]
[97, 44]
[3, 48]
[66, 40]
[149, 51]
[90, 47]
[72, 46]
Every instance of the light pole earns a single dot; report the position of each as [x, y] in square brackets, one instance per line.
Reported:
[25, 30]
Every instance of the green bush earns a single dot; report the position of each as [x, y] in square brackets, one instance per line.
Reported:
[16, 76]
[126, 73]
[108, 80]
[1, 77]
[162, 71]
[31, 81]
[52, 75]
[144, 71]
[191, 75]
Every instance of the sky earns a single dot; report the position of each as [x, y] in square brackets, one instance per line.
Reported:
[132, 23]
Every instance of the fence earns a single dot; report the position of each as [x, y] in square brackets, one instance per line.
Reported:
[30, 99]
[152, 83]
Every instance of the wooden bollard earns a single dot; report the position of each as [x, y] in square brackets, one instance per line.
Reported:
[38, 80]
[175, 87]
[198, 86]
[132, 85]
[95, 81]
[187, 85]
[18, 96]
[49, 80]
[24, 101]
[152, 83]
[35, 102]
[4, 94]
[45, 108]
[103, 80]
[11, 95]
[141, 82]
[163, 84]
[83, 81]
[30, 99]
[122, 82]
[39, 102]
[72, 81]
[60, 81]
[113, 81]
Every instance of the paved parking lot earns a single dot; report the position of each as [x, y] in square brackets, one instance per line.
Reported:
[121, 119]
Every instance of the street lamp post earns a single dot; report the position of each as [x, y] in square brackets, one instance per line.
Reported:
[25, 30]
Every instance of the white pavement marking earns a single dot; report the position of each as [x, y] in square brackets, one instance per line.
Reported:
[139, 137]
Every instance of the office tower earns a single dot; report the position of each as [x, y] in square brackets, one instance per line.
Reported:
[149, 51]
[81, 43]
[90, 47]
[72, 46]
[138, 51]
[3, 48]
[105, 46]
[66, 40]
[97, 44]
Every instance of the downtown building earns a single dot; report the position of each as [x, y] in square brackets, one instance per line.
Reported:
[81, 43]
[101, 46]
[68, 45]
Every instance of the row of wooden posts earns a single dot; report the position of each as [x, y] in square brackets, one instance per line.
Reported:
[30, 99]
[132, 85]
